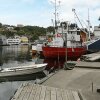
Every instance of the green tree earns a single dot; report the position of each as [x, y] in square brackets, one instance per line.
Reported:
[50, 29]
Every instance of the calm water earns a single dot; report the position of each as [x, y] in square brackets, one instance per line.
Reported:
[12, 56]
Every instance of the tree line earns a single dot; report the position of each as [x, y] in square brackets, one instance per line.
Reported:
[32, 32]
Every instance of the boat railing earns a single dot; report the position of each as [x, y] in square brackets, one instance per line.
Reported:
[75, 46]
[56, 46]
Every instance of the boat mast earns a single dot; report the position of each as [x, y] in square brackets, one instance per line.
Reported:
[88, 25]
[66, 42]
[55, 15]
[56, 24]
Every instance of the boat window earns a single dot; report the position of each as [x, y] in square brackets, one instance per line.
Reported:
[78, 33]
[69, 32]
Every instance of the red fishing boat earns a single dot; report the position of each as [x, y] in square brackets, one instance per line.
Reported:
[59, 47]
[55, 52]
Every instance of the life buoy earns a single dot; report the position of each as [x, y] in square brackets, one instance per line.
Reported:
[72, 38]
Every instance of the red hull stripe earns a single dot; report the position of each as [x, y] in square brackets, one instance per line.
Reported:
[53, 52]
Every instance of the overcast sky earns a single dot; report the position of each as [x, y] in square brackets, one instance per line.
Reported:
[40, 12]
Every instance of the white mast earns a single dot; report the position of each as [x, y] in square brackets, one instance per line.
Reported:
[56, 14]
[88, 25]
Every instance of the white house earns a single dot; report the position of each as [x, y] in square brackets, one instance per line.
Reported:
[14, 41]
[3, 40]
[97, 31]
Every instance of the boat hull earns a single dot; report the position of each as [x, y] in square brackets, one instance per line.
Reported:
[22, 72]
[55, 52]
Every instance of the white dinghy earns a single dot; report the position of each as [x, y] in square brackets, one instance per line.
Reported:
[22, 70]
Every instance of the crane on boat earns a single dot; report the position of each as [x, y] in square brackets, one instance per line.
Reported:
[87, 33]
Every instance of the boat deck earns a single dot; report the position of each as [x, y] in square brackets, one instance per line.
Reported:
[30, 91]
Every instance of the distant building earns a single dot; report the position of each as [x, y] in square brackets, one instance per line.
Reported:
[3, 40]
[97, 31]
[20, 25]
[14, 41]
[42, 37]
[24, 40]
[10, 28]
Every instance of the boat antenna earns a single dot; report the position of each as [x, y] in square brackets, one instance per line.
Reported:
[88, 24]
[55, 13]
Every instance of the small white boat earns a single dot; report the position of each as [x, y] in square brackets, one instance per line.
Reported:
[91, 57]
[22, 70]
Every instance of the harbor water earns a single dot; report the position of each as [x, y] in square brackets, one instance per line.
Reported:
[12, 56]
[15, 55]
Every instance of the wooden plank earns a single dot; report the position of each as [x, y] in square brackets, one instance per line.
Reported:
[53, 93]
[59, 94]
[76, 96]
[17, 94]
[64, 95]
[69, 95]
[27, 91]
[23, 92]
[43, 93]
[33, 92]
[30, 91]
[48, 94]
[38, 92]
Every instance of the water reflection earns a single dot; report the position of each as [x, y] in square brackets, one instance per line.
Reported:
[54, 63]
[12, 56]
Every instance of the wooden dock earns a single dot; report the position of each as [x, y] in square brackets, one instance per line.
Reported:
[30, 91]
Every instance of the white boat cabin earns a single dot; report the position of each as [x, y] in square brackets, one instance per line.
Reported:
[70, 32]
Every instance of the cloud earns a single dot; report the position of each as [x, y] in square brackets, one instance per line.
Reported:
[28, 1]
[81, 8]
[40, 12]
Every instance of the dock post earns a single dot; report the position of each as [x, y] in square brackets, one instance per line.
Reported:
[92, 86]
